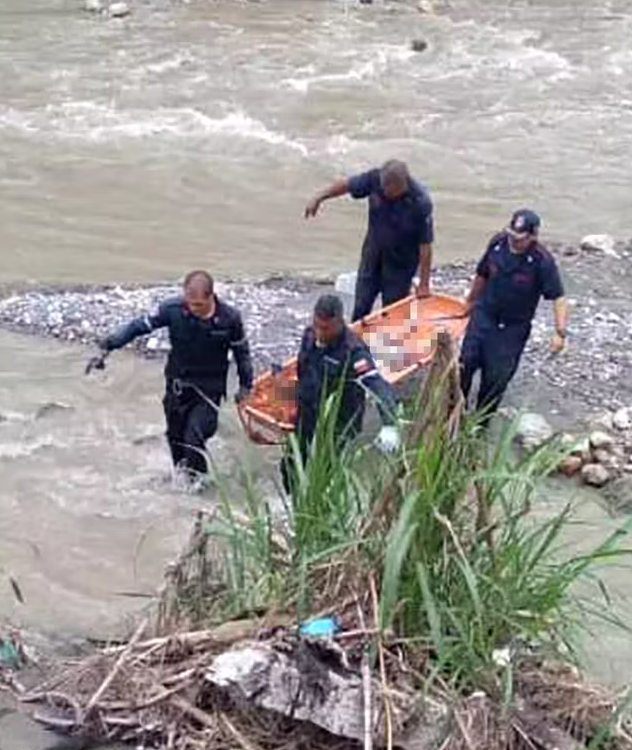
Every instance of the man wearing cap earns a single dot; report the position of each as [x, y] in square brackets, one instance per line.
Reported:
[398, 242]
[515, 271]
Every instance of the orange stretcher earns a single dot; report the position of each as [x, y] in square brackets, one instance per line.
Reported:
[401, 338]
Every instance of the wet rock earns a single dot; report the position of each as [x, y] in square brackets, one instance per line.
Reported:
[119, 10]
[571, 465]
[94, 6]
[426, 6]
[600, 243]
[595, 475]
[532, 430]
[601, 456]
[621, 419]
[51, 408]
[600, 440]
[604, 422]
[419, 45]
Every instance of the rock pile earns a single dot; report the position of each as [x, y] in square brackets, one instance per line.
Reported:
[599, 457]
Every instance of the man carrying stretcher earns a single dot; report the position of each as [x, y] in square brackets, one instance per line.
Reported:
[332, 356]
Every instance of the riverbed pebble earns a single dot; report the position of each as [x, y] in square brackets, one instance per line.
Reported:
[595, 475]
[571, 465]
[621, 419]
[600, 440]
[119, 10]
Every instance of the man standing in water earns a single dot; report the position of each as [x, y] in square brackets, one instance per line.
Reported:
[398, 242]
[202, 330]
[333, 357]
[515, 271]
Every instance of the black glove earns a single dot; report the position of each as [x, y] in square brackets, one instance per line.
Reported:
[242, 394]
[98, 361]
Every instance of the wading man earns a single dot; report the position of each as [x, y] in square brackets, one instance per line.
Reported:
[398, 242]
[515, 271]
[333, 359]
[203, 330]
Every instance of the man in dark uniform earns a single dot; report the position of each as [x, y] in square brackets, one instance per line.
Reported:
[331, 357]
[398, 242]
[202, 330]
[515, 271]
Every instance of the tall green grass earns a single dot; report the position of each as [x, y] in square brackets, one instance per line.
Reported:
[464, 567]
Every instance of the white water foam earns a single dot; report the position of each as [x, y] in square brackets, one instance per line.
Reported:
[21, 450]
[360, 70]
[92, 121]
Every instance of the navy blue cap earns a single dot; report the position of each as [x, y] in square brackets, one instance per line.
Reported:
[524, 222]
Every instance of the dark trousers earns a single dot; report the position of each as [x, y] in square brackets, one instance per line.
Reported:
[374, 277]
[191, 421]
[495, 350]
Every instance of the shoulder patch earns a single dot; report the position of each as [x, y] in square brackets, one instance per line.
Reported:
[362, 366]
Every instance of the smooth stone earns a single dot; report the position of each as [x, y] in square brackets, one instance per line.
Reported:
[595, 475]
[118, 10]
[601, 456]
[600, 440]
[570, 466]
[621, 419]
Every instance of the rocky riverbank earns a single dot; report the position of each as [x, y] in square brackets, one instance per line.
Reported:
[587, 379]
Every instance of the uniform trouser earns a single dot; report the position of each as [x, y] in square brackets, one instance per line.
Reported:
[494, 349]
[375, 277]
[191, 417]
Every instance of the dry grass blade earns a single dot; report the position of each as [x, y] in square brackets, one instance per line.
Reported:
[115, 669]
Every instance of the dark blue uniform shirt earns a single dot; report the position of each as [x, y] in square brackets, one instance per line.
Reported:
[322, 370]
[396, 227]
[199, 348]
[515, 282]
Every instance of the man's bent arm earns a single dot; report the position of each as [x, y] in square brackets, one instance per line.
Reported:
[339, 188]
[241, 351]
[476, 291]
[140, 326]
